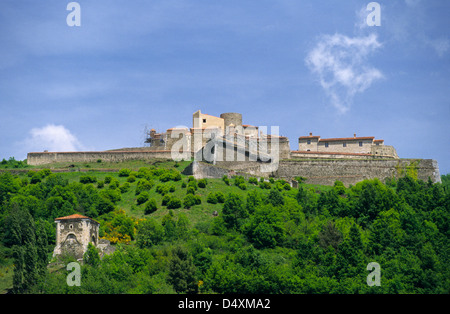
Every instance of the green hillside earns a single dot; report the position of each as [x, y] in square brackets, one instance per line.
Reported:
[175, 234]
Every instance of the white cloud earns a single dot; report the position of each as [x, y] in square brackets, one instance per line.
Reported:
[441, 46]
[412, 3]
[340, 64]
[54, 138]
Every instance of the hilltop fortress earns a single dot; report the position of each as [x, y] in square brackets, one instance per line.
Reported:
[225, 146]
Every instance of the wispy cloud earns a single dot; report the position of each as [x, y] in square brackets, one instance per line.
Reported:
[440, 45]
[52, 138]
[412, 3]
[340, 64]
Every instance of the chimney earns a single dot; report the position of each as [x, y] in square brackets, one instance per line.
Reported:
[310, 134]
[354, 135]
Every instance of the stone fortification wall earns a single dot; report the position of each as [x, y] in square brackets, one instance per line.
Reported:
[330, 155]
[325, 172]
[353, 171]
[384, 150]
[36, 159]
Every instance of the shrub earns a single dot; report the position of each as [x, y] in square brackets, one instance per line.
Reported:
[174, 203]
[170, 175]
[125, 187]
[142, 198]
[189, 201]
[114, 184]
[165, 177]
[162, 189]
[202, 183]
[165, 200]
[131, 178]
[287, 186]
[190, 190]
[144, 185]
[144, 173]
[339, 187]
[183, 185]
[108, 179]
[83, 179]
[212, 198]
[111, 194]
[253, 180]
[220, 197]
[242, 186]
[150, 206]
[265, 185]
[124, 172]
[239, 180]
[100, 184]
[193, 184]
[226, 179]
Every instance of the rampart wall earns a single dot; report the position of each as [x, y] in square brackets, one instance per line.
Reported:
[324, 172]
[317, 171]
[42, 158]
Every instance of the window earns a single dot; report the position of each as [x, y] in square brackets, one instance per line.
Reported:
[308, 142]
[204, 120]
[344, 145]
[326, 144]
[360, 144]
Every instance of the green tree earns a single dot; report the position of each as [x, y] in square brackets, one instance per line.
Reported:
[234, 211]
[91, 256]
[265, 228]
[41, 248]
[182, 271]
[275, 197]
[330, 236]
[183, 226]
[149, 233]
[25, 253]
[254, 200]
[170, 226]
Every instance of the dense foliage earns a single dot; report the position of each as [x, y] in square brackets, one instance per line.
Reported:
[266, 237]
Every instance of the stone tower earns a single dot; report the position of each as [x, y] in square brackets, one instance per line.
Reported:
[74, 233]
[232, 121]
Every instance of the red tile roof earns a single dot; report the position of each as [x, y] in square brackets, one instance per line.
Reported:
[346, 139]
[337, 139]
[74, 216]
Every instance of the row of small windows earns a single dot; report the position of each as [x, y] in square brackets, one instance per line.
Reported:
[343, 144]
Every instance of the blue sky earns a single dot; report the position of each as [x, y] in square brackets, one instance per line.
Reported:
[305, 66]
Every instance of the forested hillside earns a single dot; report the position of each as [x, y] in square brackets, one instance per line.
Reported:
[176, 234]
